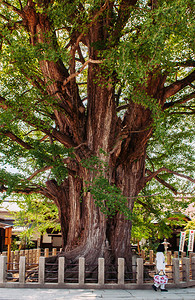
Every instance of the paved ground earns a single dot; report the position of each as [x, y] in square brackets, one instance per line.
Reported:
[82, 294]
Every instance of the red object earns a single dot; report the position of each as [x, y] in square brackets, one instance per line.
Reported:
[160, 279]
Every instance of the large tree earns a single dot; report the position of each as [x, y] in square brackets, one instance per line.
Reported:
[85, 87]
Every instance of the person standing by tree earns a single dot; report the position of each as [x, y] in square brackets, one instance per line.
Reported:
[160, 279]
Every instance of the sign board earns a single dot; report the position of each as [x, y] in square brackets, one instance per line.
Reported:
[8, 236]
[191, 240]
[182, 241]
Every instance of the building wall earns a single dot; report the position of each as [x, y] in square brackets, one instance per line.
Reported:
[2, 239]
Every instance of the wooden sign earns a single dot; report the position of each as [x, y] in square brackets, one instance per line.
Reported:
[8, 236]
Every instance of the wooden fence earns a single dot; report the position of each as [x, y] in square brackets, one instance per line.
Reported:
[32, 255]
[181, 273]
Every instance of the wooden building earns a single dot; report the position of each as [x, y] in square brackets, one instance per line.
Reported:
[6, 225]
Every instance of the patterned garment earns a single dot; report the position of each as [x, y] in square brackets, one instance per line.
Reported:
[160, 279]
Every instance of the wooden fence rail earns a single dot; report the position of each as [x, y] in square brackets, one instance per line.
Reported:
[32, 255]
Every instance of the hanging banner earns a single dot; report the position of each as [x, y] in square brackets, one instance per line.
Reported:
[191, 240]
[182, 240]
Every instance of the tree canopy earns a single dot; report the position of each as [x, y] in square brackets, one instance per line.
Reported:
[97, 103]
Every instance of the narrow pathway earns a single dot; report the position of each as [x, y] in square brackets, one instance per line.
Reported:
[82, 294]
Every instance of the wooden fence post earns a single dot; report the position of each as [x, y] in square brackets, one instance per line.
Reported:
[101, 271]
[190, 257]
[151, 255]
[16, 259]
[12, 260]
[183, 254]
[140, 271]
[22, 253]
[81, 270]
[169, 253]
[143, 254]
[121, 271]
[38, 254]
[30, 256]
[3, 268]
[46, 252]
[27, 256]
[34, 256]
[54, 251]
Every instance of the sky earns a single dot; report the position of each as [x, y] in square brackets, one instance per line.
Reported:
[8, 204]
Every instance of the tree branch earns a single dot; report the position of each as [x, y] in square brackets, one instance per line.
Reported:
[94, 18]
[2, 103]
[166, 184]
[40, 125]
[123, 16]
[36, 81]
[147, 207]
[121, 107]
[4, 18]
[39, 171]
[163, 182]
[15, 9]
[181, 101]
[178, 85]
[43, 138]
[29, 190]
[20, 4]
[16, 139]
[80, 55]
[25, 190]
[163, 169]
[187, 63]
[183, 113]
[81, 69]
[118, 96]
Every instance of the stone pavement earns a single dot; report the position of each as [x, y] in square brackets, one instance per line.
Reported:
[83, 294]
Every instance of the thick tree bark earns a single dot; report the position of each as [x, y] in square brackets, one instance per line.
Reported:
[85, 229]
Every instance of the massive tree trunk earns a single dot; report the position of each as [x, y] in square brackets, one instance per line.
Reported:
[86, 230]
